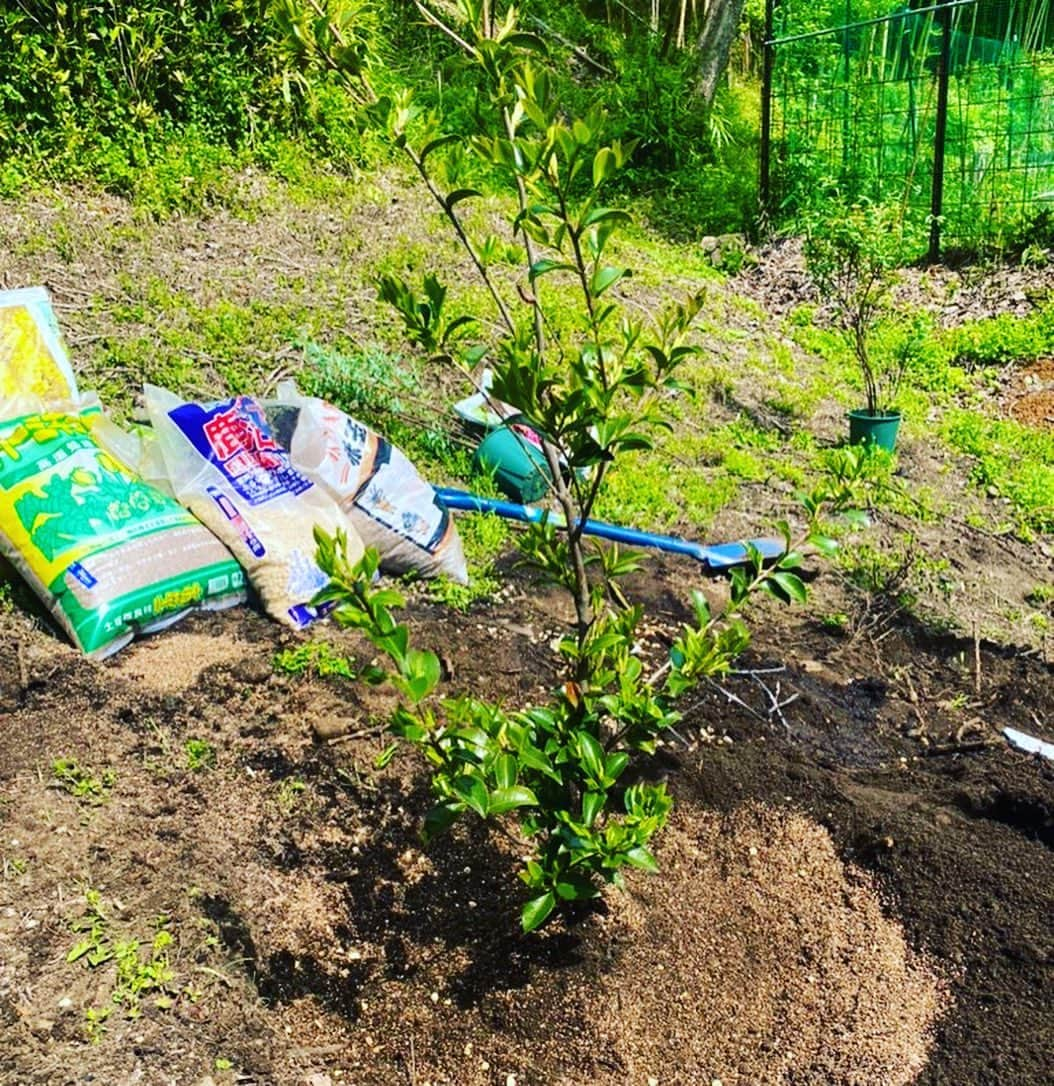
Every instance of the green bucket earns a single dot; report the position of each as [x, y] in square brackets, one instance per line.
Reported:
[512, 453]
[879, 431]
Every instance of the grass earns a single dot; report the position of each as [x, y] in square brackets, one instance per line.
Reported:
[280, 283]
[484, 537]
[316, 658]
[1011, 461]
[201, 755]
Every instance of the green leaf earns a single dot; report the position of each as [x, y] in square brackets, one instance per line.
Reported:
[533, 758]
[605, 165]
[434, 145]
[506, 767]
[642, 858]
[472, 791]
[439, 819]
[506, 799]
[614, 765]
[458, 195]
[575, 886]
[592, 805]
[591, 754]
[606, 277]
[788, 586]
[79, 950]
[605, 214]
[545, 266]
[421, 671]
[384, 758]
[521, 39]
[537, 911]
[827, 546]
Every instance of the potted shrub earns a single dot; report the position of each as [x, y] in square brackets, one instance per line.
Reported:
[852, 255]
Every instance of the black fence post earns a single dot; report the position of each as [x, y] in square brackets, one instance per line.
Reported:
[767, 64]
[940, 135]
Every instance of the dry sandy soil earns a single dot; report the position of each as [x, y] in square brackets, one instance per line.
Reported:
[856, 887]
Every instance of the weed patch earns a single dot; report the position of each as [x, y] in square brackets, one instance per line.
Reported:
[83, 783]
[138, 970]
[314, 658]
[1010, 461]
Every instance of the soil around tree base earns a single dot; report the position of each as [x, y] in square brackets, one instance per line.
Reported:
[843, 899]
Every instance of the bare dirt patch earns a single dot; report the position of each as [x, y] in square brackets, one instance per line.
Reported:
[1030, 396]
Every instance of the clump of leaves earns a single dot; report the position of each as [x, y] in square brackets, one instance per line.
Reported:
[314, 657]
[556, 771]
[138, 972]
[201, 755]
[81, 782]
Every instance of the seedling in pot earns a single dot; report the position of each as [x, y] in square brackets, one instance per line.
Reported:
[853, 255]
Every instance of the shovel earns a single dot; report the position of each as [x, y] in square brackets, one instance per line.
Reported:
[714, 557]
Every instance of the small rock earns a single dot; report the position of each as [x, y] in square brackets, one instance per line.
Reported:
[318, 1079]
[41, 1027]
[252, 670]
[331, 727]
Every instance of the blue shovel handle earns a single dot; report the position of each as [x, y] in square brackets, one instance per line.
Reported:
[715, 557]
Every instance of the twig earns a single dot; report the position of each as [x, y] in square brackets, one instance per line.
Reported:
[976, 660]
[735, 699]
[577, 50]
[913, 699]
[965, 747]
[413, 1062]
[23, 679]
[363, 733]
[775, 705]
[214, 973]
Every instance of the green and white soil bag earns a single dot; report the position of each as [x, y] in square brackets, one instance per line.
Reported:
[393, 509]
[110, 555]
[221, 460]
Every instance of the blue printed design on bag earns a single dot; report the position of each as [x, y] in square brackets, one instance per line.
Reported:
[234, 436]
[82, 575]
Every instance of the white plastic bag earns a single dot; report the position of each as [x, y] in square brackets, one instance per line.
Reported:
[393, 509]
[223, 462]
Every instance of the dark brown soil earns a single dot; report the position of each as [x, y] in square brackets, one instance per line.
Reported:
[847, 896]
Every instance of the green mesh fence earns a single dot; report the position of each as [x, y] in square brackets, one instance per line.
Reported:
[940, 104]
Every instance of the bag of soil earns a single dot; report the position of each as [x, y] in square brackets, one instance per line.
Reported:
[222, 461]
[110, 555]
[393, 509]
[34, 366]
